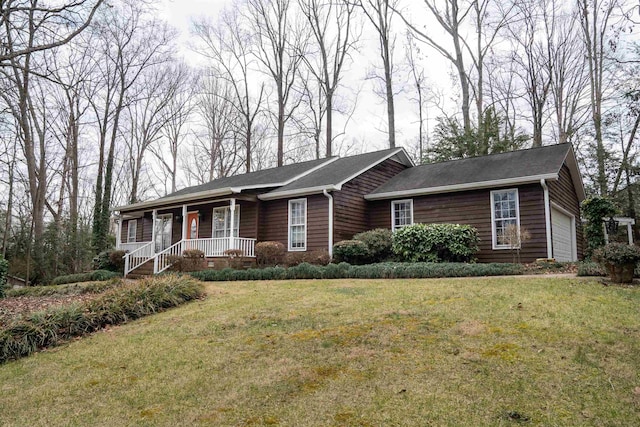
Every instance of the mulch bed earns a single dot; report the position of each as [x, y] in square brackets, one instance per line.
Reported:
[15, 307]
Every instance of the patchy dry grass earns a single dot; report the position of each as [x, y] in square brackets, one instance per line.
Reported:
[481, 351]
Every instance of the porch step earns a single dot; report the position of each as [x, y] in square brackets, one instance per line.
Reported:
[142, 271]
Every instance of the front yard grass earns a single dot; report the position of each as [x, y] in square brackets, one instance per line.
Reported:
[473, 351]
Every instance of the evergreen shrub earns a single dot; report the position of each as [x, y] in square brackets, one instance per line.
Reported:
[388, 270]
[436, 243]
[378, 243]
[353, 252]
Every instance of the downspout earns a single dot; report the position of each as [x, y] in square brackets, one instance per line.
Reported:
[547, 217]
[330, 197]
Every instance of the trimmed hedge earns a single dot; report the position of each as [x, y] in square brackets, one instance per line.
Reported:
[91, 276]
[436, 243]
[389, 270]
[51, 327]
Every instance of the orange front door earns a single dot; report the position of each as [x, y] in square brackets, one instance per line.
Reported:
[192, 225]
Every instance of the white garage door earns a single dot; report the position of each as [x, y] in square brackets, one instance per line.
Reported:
[561, 236]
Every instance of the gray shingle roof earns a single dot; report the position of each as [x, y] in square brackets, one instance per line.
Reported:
[337, 171]
[533, 162]
[265, 178]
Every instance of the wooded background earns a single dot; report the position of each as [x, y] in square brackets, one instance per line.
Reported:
[102, 104]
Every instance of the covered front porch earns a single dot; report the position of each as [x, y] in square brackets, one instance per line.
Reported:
[156, 237]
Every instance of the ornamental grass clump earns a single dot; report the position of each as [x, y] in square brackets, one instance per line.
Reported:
[619, 260]
[51, 327]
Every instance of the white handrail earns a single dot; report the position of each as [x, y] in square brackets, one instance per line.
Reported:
[137, 257]
[211, 247]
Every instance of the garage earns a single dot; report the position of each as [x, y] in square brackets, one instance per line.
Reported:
[563, 235]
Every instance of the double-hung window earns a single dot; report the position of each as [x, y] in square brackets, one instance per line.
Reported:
[222, 221]
[132, 227]
[298, 225]
[401, 214]
[505, 219]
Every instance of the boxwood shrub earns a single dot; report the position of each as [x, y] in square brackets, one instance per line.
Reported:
[351, 251]
[119, 305]
[436, 243]
[388, 270]
[378, 243]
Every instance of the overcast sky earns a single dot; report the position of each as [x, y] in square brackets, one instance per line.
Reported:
[368, 122]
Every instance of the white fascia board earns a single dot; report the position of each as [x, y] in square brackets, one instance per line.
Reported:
[298, 192]
[176, 199]
[374, 164]
[461, 187]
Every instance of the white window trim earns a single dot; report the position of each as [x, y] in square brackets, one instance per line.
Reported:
[494, 236]
[304, 201]
[236, 218]
[131, 222]
[393, 212]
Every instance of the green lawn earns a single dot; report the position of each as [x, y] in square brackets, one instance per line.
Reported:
[472, 352]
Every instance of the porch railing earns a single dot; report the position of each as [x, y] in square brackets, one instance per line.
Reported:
[138, 256]
[212, 247]
[130, 247]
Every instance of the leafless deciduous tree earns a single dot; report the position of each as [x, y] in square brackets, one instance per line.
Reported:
[230, 45]
[29, 26]
[596, 20]
[332, 25]
[380, 14]
[280, 43]
[127, 41]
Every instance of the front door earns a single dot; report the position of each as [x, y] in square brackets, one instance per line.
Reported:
[192, 225]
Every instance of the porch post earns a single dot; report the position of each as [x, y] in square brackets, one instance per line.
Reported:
[119, 236]
[232, 210]
[185, 223]
[153, 229]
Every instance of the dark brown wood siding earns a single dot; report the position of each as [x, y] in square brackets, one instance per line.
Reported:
[274, 221]
[563, 193]
[474, 208]
[350, 209]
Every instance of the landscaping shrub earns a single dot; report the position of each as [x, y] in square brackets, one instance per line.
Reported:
[291, 259]
[92, 276]
[48, 328]
[590, 268]
[619, 260]
[269, 253]
[193, 260]
[378, 243]
[389, 270]
[109, 260]
[67, 289]
[235, 258]
[4, 269]
[436, 243]
[351, 251]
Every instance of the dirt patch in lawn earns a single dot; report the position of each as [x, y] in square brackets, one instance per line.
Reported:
[17, 307]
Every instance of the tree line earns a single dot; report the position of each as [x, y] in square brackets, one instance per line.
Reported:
[99, 108]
